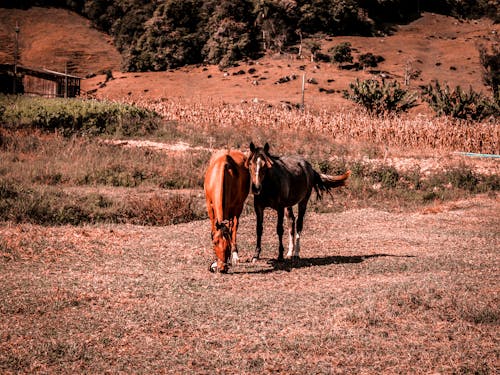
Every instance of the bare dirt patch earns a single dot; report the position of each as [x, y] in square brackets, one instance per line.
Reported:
[158, 146]
[374, 292]
[420, 161]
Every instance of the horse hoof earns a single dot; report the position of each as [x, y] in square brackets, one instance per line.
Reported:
[234, 259]
[255, 259]
[213, 267]
[295, 258]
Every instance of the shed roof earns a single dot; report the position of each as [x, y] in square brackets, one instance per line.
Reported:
[42, 73]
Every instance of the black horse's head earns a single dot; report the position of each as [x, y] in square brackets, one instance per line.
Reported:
[258, 163]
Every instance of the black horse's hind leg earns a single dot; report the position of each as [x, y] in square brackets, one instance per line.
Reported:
[279, 230]
[259, 213]
[300, 225]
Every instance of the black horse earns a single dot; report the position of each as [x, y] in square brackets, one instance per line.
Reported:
[282, 182]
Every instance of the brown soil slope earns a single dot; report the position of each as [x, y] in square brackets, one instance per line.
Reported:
[50, 38]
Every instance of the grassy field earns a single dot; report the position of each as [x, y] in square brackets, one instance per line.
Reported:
[105, 248]
[374, 292]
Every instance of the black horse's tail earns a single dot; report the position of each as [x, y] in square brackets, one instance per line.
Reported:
[324, 182]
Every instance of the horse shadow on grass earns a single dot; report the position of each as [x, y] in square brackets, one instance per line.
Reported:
[290, 264]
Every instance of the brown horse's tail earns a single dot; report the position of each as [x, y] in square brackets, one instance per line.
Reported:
[324, 182]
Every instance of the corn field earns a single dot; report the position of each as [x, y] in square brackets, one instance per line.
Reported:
[416, 132]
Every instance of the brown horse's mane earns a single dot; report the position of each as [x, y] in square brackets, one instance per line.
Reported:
[231, 163]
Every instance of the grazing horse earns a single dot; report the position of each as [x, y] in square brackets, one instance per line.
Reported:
[281, 183]
[227, 183]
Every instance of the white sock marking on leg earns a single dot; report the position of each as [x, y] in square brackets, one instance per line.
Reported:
[234, 258]
[297, 246]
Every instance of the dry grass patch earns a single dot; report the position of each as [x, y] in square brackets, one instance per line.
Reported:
[374, 292]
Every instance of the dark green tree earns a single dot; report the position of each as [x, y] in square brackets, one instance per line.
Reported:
[172, 37]
[231, 34]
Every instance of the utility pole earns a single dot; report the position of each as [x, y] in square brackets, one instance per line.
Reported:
[66, 80]
[302, 104]
[16, 58]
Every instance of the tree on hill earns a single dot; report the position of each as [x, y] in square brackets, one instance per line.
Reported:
[277, 22]
[158, 35]
[172, 37]
[231, 34]
[331, 17]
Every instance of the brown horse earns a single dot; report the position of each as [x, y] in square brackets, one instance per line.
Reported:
[227, 183]
[282, 182]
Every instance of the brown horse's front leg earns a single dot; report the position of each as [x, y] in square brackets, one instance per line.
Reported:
[234, 254]
[211, 216]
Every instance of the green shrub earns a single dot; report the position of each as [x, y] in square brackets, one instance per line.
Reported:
[462, 178]
[342, 53]
[491, 69]
[380, 97]
[458, 103]
[70, 116]
[388, 176]
[369, 60]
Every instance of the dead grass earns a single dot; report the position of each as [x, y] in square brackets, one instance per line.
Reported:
[235, 124]
[374, 292]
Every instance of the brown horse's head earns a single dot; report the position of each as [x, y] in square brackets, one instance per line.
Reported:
[258, 163]
[221, 239]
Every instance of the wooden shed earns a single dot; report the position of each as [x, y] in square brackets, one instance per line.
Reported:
[40, 82]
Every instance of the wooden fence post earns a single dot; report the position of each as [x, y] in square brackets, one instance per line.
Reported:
[302, 104]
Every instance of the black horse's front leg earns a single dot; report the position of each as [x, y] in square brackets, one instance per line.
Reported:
[259, 213]
[279, 231]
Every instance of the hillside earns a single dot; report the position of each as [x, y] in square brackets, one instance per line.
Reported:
[439, 47]
[434, 46]
[50, 38]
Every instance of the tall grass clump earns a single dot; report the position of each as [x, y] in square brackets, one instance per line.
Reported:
[77, 116]
[380, 97]
[36, 157]
[53, 206]
[458, 103]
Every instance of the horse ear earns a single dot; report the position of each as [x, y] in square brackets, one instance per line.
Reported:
[266, 148]
[269, 162]
[252, 147]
